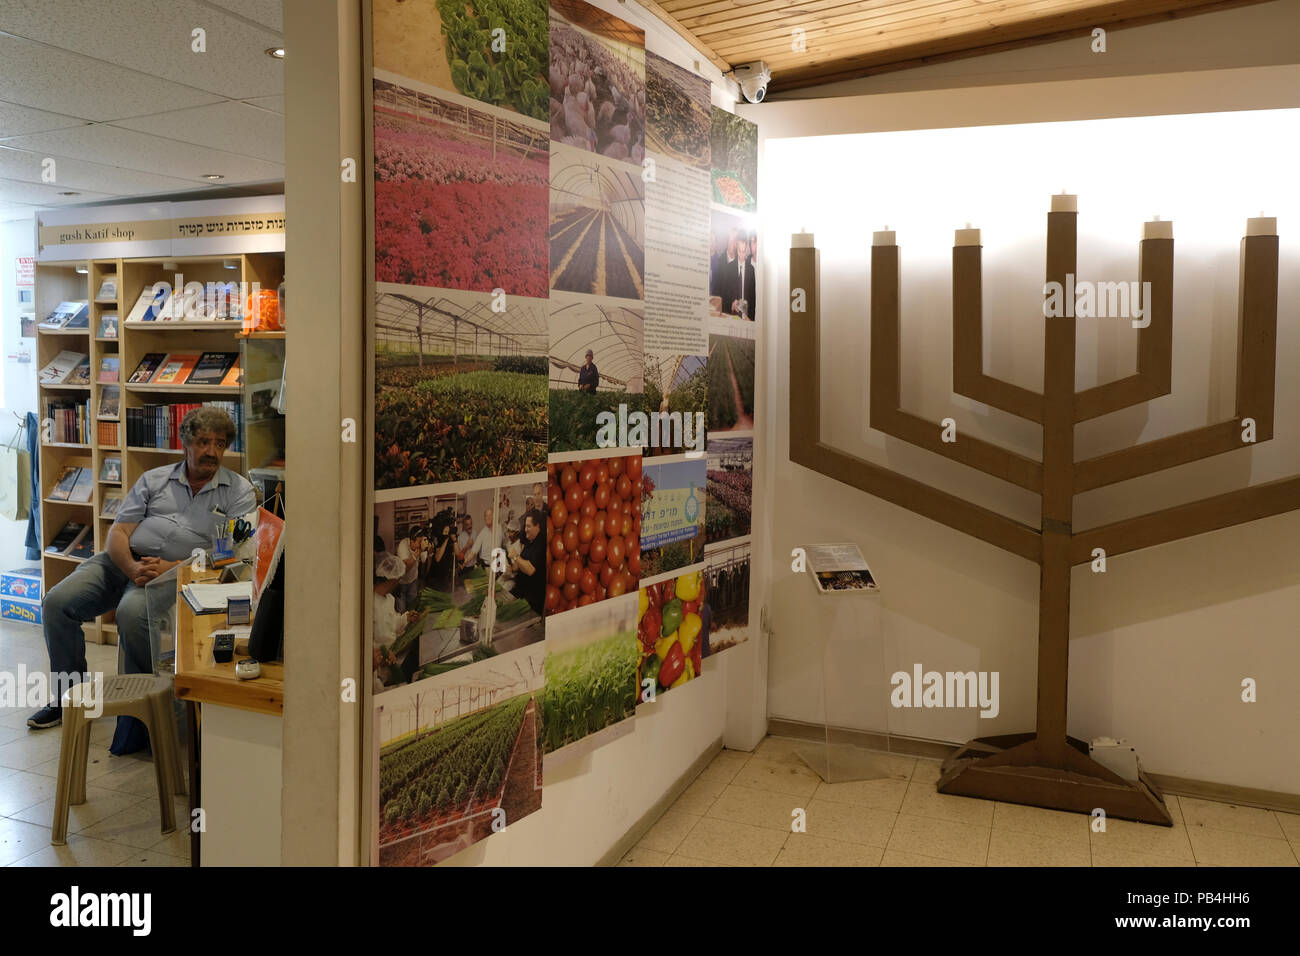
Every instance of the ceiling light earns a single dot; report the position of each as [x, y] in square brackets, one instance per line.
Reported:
[230, 263]
[275, 51]
[214, 177]
[82, 268]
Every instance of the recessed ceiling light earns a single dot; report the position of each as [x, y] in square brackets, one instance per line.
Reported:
[215, 177]
[275, 51]
[70, 192]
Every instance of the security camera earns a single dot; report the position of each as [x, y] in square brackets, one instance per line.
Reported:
[753, 79]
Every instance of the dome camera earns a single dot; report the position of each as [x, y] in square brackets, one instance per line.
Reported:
[753, 79]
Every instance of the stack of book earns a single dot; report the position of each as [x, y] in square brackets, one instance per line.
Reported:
[107, 434]
[176, 368]
[158, 303]
[107, 290]
[71, 419]
[74, 539]
[68, 315]
[68, 368]
[74, 484]
[158, 426]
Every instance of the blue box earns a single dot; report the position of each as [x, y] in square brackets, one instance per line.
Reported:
[29, 612]
[21, 583]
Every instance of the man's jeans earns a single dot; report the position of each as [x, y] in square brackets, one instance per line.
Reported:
[97, 586]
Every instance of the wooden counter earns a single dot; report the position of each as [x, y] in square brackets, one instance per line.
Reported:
[201, 679]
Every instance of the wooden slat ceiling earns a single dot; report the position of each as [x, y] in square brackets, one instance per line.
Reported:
[844, 40]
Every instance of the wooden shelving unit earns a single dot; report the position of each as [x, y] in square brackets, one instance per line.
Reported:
[59, 282]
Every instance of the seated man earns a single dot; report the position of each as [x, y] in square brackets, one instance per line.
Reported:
[170, 512]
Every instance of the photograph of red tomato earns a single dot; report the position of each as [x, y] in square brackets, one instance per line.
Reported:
[594, 530]
[673, 624]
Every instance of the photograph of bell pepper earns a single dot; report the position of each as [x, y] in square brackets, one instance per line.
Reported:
[673, 619]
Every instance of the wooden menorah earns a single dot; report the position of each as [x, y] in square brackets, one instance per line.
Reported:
[1048, 768]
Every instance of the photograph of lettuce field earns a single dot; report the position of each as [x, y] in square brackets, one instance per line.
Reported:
[460, 390]
[458, 753]
[731, 384]
[591, 658]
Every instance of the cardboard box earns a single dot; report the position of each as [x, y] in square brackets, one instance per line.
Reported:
[21, 583]
[29, 612]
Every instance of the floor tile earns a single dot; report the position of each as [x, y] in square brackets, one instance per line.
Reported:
[21, 789]
[757, 808]
[1012, 848]
[1145, 839]
[1058, 824]
[668, 831]
[98, 763]
[100, 804]
[721, 841]
[176, 843]
[19, 839]
[1224, 816]
[139, 826]
[802, 849]
[29, 750]
[878, 794]
[150, 858]
[942, 839]
[643, 856]
[79, 851]
[1290, 824]
[1104, 854]
[922, 800]
[778, 778]
[678, 860]
[847, 823]
[1226, 848]
[899, 858]
[130, 775]
[926, 771]
[699, 796]
[780, 750]
[725, 766]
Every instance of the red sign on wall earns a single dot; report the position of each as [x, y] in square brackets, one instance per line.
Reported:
[26, 270]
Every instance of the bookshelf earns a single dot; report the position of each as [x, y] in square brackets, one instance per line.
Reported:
[60, 282]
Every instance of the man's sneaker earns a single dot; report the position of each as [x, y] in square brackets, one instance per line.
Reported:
[45, 717]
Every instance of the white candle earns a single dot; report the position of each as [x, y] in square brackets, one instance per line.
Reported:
[1065, 202]
[1262, 226]
[884, 237]
[801, 240]
[1158, 229]
[966, 237]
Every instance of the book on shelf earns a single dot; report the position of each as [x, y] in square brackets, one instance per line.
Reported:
[81, 320]
[110, 401]
[158, 426]
[66, 537]
[175, 369]
[108, 325]
[107, 433]
[235, 376]
[79, 375]
[147, 368]
[57, 372]
[111, 469]
[212, 368]
[69, 418]
[107, 290]
[62, 490]
[83, 546]
[152, 298]
[64, 314]
[111, 503]
[109, 366]
[83, 487]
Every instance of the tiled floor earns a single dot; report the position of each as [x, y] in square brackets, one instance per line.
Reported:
[119, 823]
[739, 812]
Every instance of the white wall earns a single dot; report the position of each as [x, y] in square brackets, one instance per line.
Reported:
[19, 392]
[1160, 642]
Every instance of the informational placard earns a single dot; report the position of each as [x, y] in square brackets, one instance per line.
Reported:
[839, 568]
[26, 270]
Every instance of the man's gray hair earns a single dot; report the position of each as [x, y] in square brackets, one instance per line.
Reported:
[206, 419]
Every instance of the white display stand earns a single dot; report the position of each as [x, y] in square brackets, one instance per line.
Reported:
[856, 614]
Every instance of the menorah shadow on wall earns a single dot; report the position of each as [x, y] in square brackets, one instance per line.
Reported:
[1047, 767]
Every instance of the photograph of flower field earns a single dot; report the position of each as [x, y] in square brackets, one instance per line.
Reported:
[730, 488]
[597, 225]
[673, 515]
[679, 122]
[731, 384]
[460, 389]
[727, 577]
[591, 658]
[461, 195]
[597, 82]
[733, 143]
[457, 753]
[449, 44]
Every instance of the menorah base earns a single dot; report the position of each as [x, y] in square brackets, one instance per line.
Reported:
[1017, 768]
